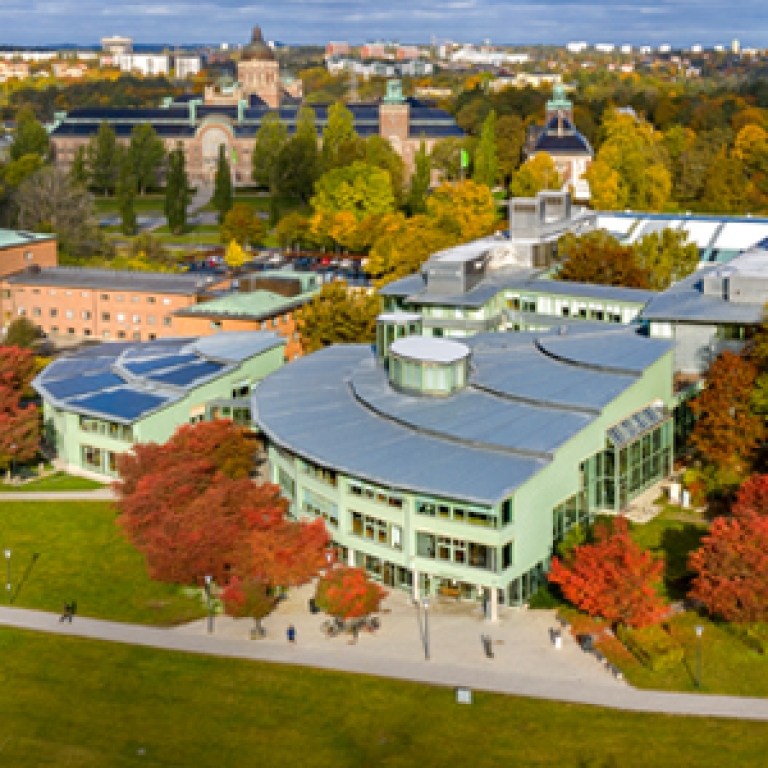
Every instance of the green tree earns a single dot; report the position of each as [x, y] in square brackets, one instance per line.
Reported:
[21, 333]
[126, 193]
[306, 125]
[222, 185]
[18, 170]
[177, 191]
[726, 186]
[79, 170]
[337, 315]
[420, 182]
[360, 189]
[446, 157]
[486, 166]
[103, 159]
[298, 168]
[270, 139]
[510, 138]
[339, 130]
[535, 175]
[667, 257]
[146, 247]
[30, 137]
[147, 154]
[241, 225]
[380, 153]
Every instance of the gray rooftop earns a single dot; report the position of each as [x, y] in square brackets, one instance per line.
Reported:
[429, 350]
[126, 382]
[111, 279]
[528, 395]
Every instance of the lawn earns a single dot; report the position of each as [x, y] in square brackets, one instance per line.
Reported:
[72, 550]
[146, 204]
[57, 482]
[88, 703]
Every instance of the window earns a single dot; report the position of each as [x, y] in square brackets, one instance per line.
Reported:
[85, 294]
[105, 317]
[137, 319]
[167, 321]
[69, 314]
[455, 551]
[54, 313]
[152, 336]
[506, 512]
[86, 314]
[106, 334]
[71, 331]
[377, 494]
[166, 302]
[87, 332]
[135, 299]
[105, 297]
[36, 291]
[151, 300]
[119, 297]
[36, 311]
[91, 457]
[508, 555]
[379, 531]
[54, 329]
[52, 292]
[215, 325]
[137, 336]
[28, 255]
[150, 319]
[319, 506]
[120, 317]
[121, 334]
[319, 473]
[465, 513]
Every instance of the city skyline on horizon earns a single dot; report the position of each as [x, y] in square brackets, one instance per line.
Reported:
[316, 22]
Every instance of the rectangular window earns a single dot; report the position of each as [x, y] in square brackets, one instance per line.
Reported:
[36, 311]
[105, 297]
[86, 314]
[151, 300]
[167, 321]
[69, 314]
[137, 319]
[135, 299]
[121, 334]
[120, 317]
[105, 317]
[91, 457]
[119, 297]
[54, 312]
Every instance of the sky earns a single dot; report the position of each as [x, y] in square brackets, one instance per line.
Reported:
[678, 22]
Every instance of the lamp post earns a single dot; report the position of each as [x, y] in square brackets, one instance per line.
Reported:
[699, 633]
[425, 603]
[208, 582]
[8, 562]
[13, 462]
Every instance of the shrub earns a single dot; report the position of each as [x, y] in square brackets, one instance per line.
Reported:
[653, 646]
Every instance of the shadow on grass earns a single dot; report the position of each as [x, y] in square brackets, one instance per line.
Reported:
[676, 544]
[25, 576]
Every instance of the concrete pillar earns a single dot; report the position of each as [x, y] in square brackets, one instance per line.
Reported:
[416, 590]
[492, 613]
[351, 557]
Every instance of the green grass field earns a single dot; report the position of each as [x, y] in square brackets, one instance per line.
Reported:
[73, 550]
[146, 204]
[58, 482]
[85, 703]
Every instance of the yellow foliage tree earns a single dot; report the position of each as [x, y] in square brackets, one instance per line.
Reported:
[534, 175]
[463, 209]
[235, 256]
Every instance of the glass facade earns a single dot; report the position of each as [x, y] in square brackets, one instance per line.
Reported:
[427, 378]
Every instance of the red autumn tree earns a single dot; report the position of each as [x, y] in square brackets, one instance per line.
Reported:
[19, 425]
[249, 598]
[348, 593]
[613, 578]
[191, 509]
[731, 566]
[728, 432]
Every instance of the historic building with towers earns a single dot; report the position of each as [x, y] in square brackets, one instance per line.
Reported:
[230, 114]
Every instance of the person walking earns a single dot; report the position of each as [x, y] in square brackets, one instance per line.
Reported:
[291, 633]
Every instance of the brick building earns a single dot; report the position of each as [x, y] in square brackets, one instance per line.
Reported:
[19, 250]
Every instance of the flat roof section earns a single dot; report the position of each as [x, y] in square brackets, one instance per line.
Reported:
[426, 349]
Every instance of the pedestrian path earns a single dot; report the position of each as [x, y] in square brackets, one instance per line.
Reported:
[97, 494]
[376, 655]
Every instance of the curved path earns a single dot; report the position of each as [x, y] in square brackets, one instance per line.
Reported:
[97, 494]
[370, 656]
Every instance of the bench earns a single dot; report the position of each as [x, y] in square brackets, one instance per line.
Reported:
[449, 592]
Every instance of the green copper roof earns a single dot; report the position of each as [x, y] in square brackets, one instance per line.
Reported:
[10, 238]
[256, 305]
[559, 101]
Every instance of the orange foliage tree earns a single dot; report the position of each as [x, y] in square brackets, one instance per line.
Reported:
[599, 258]
[190, 507]
[613, 578]
[19, 425]
[731, 566]
[728, 432]
[348, 593]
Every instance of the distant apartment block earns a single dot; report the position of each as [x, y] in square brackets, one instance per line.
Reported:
[117, 45]
[143, 63]
[337, 49]
[13, 69]
[526, 80]
[407, 52]
[187, 65]
[470, 55]
[374, 51]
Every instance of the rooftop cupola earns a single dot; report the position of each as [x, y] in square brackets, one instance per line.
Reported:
[424, 365]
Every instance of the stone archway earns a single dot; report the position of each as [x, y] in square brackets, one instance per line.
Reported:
[212, 138]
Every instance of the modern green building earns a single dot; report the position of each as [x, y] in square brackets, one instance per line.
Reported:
[446, 466]
[101, 400]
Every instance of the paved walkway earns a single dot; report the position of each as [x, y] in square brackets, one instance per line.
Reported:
[525, 663]
[97, 494]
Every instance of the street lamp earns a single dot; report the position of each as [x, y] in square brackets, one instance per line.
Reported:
[425, 603]
[8, 561]
[699, 633]
[13, 463]
[208, 581]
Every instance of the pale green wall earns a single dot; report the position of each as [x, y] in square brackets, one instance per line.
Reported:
[159, 426]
